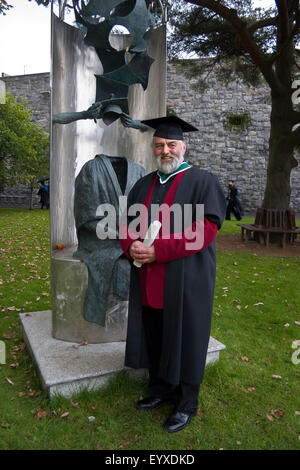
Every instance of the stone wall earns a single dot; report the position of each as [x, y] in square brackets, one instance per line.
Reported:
[241, 156]
[35, 90]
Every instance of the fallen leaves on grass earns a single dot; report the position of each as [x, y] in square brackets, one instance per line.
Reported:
[275, 414]
[34, 393]
[39, 413]
[14, 365]
[6, 335]
[5, 425]
[125, 442]
[19, 348]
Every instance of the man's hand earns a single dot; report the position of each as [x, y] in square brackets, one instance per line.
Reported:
[141, 254]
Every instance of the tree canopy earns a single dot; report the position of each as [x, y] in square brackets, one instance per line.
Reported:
[4, 7]
[24, 147]
[254, 38]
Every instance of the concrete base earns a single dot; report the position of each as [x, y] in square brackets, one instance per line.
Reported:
[69, 281]
[66, 368]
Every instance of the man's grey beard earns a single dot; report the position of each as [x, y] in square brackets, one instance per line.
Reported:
[167, 168]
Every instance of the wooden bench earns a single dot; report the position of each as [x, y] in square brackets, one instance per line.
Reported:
[269, 221]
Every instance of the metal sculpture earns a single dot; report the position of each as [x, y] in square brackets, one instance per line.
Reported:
[121, 68]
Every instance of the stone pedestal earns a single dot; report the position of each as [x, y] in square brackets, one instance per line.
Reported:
[69, 280]
[66, 368]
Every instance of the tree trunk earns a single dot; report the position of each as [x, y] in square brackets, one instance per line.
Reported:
[281, 159]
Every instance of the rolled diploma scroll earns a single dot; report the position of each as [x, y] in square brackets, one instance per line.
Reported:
[151, 234]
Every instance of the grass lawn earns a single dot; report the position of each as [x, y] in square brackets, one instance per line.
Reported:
[249, 400]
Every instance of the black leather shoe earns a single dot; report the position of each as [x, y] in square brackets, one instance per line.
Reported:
[151, 403]
[178, 421]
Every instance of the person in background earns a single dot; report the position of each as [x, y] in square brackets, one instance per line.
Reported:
[233, 203]
[43, 192]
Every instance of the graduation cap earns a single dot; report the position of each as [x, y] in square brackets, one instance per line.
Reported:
[169, 127]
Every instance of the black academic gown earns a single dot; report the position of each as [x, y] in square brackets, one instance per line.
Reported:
[189, 290]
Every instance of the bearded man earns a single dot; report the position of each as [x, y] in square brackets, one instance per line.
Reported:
[171, 295]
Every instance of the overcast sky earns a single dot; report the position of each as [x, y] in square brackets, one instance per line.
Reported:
[25, 38]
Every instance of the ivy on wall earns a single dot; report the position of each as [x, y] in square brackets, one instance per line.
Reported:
[236, 121]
